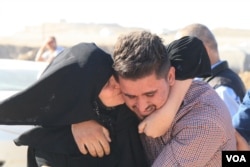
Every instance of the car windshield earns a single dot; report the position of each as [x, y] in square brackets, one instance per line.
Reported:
[17, 79]
[17, 75]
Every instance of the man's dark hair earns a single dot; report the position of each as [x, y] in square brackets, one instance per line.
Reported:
[139, 54]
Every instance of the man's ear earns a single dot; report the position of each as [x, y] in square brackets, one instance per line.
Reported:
[171, 76]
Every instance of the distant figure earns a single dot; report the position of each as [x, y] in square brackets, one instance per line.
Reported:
[241, 119]
[48, 50]
[226, 82]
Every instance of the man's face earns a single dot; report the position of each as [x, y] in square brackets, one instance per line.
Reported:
[143, 96]
[51, 44]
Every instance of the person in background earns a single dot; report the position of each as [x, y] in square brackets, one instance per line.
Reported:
[49, 50]
[202, 127]
[241, 120]
[225, 81]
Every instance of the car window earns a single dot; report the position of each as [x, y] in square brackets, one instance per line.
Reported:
[16, 79]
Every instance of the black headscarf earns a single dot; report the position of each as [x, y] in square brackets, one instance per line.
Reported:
[65, 92]
[189, 57]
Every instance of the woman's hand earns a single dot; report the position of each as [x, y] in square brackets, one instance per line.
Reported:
[92, 138]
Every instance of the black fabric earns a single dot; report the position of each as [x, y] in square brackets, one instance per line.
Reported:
[31, 160]
[57, 147]
[189, 57]
[222, 75]
[65, 91]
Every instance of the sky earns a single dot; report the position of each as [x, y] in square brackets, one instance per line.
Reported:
[155, 15]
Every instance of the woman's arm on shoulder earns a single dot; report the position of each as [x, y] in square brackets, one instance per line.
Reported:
[158, 122]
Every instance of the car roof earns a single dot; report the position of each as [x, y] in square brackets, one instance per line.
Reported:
[21, 64]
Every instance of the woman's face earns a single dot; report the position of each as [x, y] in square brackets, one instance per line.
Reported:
[110, 94]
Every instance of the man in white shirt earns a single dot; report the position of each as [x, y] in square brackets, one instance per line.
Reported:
[49, 50]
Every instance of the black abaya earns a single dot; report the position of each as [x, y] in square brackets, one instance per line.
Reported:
[67, 93]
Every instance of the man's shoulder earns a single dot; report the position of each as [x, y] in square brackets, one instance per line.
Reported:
[199, 84]
[201, 96]
[201, 91]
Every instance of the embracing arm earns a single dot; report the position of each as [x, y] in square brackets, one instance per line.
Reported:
[158, 122]
[41, 51]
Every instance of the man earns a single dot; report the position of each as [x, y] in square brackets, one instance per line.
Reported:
[226, 82]
[201, 128]
[49, 50]
[241, 119]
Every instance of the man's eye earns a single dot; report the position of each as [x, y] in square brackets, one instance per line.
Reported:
[130, 97]
[150, 94]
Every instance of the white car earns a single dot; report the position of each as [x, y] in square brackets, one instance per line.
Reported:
[15, 76]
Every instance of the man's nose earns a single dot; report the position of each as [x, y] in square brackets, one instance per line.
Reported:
[142, 106]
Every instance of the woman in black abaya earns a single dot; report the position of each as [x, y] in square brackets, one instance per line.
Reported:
[67, 93]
